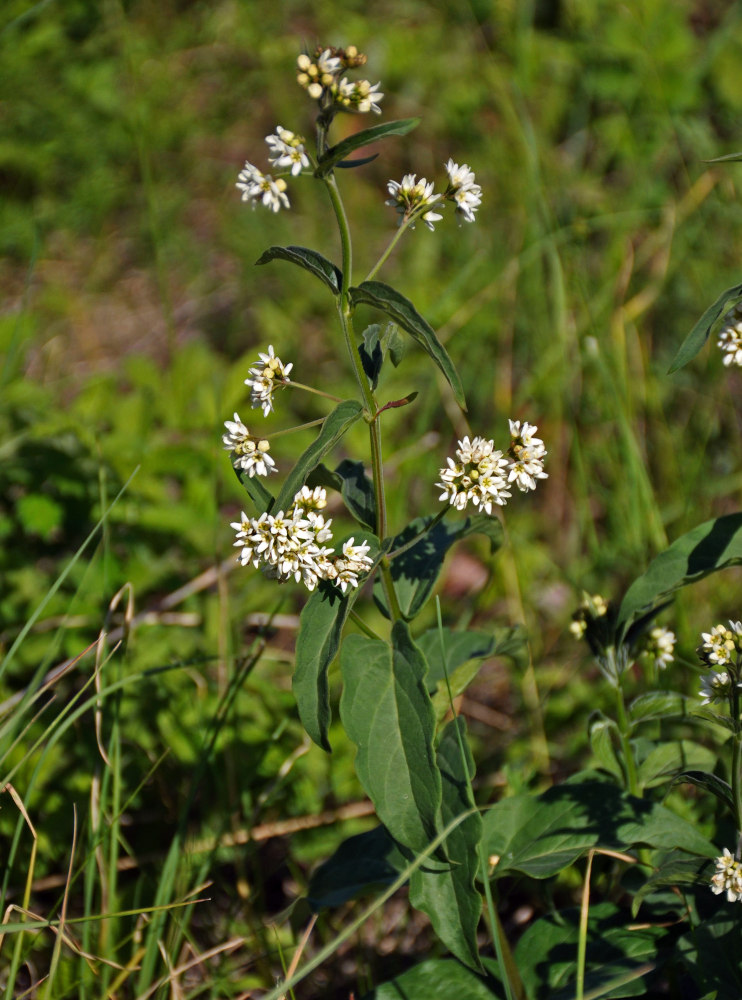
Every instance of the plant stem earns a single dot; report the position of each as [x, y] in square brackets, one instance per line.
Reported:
[624, 730]
[737, 768]
[385, 256]
[317, 392]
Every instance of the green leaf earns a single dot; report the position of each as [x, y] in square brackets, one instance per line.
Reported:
[416, 570]
[709, 782]
[711, 952]
[403, 312]
[372, 355]
[357, 491]
[700, 332]
[666, 759]
[335, 426]
[448, 893]
[320, 630]
[336, 153]
[710, 546]
[657, 705]
[729, 158]
[438, 979]
[310, 260]
[604, 737]
[542, 835]
[387, 713]
[261, 497]
[368, 861]
[445, 650]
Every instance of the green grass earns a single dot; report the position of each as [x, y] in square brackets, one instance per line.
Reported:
[132, 311]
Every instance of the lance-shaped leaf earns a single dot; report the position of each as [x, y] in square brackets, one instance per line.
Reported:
[415, 570]
[310, 260]
[320, 630]
[357, 491]
[260, 496]
[710, 546]
[360, 864]
[336, 153]
[387, 713]
[710, 783]
[448, 893]
[700, 332]
[404, 314]
[675, 870]
[336, 424]
[541, 835]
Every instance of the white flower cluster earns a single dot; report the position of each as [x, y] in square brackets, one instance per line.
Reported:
[730, 337]
[322, 78]
[286, 152]
[291, 544]
[264, 377]
[660, 645]
[415, 199]
[248, 453]
[721, 648]
[591, 607]
[480, 475]
[728, 877]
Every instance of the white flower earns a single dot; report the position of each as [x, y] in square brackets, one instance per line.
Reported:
[527, 453]
[728, 877]
[259, 187]
[661, 645]
[287, 151]
[730, 337]
[720, 643]
[715, 686]
[414, 198]
[463, 190]
[248, 453]
[360, 96]
[476, 477]
[354, 560]
[263, 377]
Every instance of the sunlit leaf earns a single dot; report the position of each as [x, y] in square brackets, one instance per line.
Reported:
[365, 137]
[700, 332]
[308, 259]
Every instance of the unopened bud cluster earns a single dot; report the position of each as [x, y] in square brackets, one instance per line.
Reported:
[592, 607]
[292, 544]
[480, 475]
[322, 76]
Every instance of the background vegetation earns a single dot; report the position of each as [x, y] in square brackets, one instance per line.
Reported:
[131, 311]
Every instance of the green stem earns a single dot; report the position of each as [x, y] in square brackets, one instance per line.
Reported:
[624, 730]
[366, 629]
[737, 768]
[292, 430]
[421, 534]
[392, 244]
[317, 392]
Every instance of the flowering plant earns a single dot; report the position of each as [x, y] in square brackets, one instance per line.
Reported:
[397, 703]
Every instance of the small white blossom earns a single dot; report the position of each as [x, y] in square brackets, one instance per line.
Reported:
[248, 453]
[414, 198]
[287, 151]
[728, 877]
[715, 686]
[360, 96]
[730, 337]
[463, 190]
[354, 560]
[476, 477]
[720, 643]
[259, 187]
[661, 646]
[264, 377]
[527, 453]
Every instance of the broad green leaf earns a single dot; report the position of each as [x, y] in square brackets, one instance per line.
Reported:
[336, 424]
[546, 954]
[416, 570]
[387, 713]
[361, 864]
[403, 312]
[357, 491]
[446, 649]
[448, 893]
[700, 332]
[711, 952]
[439, 979]
[666, 759]
[260, 496]
[657, 705]
[676, 869]
[310, 260]
[320, 630]
[709, 782]
[604, 737]
[708, 547]
[336, 153]
[542, 835]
